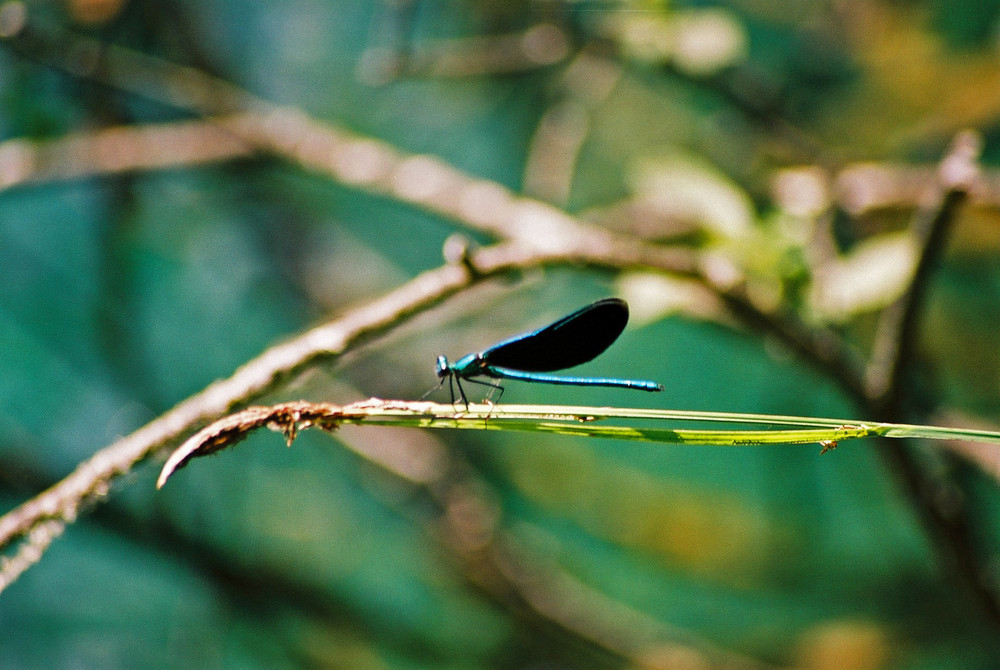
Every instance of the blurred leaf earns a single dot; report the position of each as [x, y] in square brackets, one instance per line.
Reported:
[870, 276]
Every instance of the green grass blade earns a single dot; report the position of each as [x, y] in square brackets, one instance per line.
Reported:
[592, 422]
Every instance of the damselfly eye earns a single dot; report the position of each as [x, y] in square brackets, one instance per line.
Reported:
[442, 368]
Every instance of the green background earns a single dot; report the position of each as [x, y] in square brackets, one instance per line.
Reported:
[120, 295]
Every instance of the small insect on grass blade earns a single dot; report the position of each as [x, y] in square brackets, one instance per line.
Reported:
[572, 340]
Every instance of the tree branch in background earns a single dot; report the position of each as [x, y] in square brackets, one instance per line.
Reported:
[893, 351]
[893, 359]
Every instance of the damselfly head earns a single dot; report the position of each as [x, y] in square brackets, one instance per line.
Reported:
[442, 368]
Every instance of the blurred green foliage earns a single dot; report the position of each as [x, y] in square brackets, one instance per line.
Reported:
[121, 294]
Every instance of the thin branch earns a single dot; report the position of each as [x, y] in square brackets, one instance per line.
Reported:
[260, 375]
[893, 352]
[486, 206]
[92, 477]
[42, 534]
[117, 149]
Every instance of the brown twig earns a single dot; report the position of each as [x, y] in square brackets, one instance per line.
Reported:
[92, 478]
[115, 150]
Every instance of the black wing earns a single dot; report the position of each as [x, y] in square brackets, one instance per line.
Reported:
[568, 342]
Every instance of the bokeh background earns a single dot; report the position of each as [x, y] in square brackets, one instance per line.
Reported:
[791, 143]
